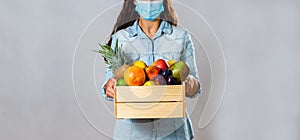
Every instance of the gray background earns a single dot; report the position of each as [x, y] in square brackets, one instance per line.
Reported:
[260, 39]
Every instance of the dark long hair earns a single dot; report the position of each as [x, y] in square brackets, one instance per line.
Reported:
[128, 16]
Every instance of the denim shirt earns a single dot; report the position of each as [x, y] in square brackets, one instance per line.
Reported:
[169, 43]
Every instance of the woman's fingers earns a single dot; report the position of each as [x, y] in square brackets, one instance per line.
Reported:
[111, 83]
[110, 87]
[191, 85]
[187, 85]
[110, 93]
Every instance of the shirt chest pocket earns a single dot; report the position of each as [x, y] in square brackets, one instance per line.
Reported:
[171, 55]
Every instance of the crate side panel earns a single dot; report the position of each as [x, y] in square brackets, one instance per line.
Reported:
[150, 110]
[149, 93]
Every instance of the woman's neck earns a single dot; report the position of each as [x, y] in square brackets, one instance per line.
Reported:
[149, 27]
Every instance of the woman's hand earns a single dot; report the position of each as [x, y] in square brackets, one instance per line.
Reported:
[110, 87]
[191, 86]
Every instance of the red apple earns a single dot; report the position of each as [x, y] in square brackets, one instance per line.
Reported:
[161, 63]
[152, 71]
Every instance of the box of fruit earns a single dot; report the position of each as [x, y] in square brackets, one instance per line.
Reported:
[146, 91]
[154, 91]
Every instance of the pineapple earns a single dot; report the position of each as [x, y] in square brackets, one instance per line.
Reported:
[116, 60]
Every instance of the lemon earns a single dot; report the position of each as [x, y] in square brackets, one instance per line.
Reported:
[140, 64]
[171, 62]
[149, 83]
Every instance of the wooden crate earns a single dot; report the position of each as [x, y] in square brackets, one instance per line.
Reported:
[138, 102]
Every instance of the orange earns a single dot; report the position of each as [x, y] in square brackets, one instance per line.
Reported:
[134, 76]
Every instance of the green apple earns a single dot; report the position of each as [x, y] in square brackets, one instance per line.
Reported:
[180, 70]
[121, 82]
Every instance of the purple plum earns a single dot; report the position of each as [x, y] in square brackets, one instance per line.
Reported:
[159, 80]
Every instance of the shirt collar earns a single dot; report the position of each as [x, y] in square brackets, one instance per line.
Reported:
[164, 27]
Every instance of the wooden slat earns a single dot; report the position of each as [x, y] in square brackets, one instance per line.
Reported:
[115, 104]
[184, 100]
[150, 110]
[149, 93]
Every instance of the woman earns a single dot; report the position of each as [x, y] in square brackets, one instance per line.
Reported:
[147, 30]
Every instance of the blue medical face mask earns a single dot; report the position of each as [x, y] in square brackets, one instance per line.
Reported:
[149, 10]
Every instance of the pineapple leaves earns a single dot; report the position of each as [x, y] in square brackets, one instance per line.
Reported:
[114, 58]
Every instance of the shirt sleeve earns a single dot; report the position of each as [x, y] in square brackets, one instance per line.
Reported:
[188, 56]
[108, 73]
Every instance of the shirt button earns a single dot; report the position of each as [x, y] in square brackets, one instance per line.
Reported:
[153, 130]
